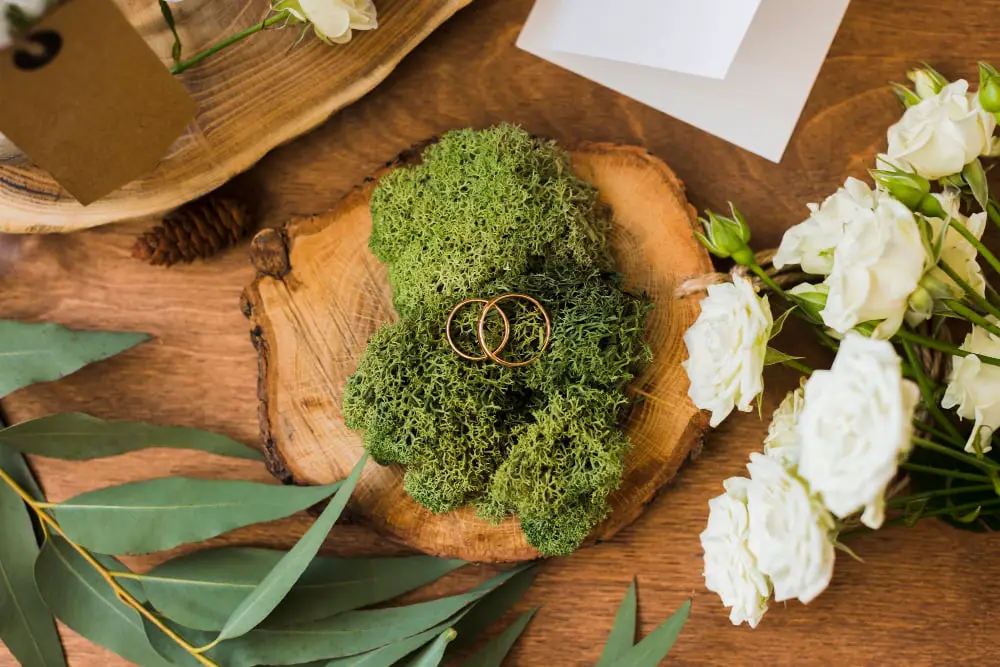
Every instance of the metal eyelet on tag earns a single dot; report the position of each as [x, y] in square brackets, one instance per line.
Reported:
[46, 46]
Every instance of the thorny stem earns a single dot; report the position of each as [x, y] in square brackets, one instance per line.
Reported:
[182, 66]
[47, 520]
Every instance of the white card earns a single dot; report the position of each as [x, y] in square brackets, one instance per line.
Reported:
[757, 103]
[655, 34]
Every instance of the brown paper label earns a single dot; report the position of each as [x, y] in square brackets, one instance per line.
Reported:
[86, 99]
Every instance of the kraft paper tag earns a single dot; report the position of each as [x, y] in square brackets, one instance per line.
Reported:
[84, 97]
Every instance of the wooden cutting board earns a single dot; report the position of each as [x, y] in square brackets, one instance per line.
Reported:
[320, 293]
[251, 98]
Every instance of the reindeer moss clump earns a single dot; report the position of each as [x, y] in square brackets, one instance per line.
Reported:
[489, 212]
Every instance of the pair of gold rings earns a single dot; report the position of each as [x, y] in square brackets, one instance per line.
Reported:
[488, 305]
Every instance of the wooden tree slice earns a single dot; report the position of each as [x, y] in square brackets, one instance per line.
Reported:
[320, 294]
[251, 98]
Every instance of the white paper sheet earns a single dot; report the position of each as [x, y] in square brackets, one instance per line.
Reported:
[655, 33]
[758, 102]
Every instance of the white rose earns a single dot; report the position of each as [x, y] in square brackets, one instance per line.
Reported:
[811, 243]
[32, 9]
[856, 426]
[942, 134]
[876, 267]
[956, 252]
[791, 533]
[782, 441]
[730, 569]
[333, 20]
[974, 387]
[726, 349]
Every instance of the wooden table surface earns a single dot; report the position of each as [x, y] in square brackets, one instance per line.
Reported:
[922, 596]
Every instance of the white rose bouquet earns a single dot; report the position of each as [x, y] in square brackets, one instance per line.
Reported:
[901, 426]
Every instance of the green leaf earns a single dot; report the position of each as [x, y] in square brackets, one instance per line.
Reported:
[492, 608]
[80, 437]
[433, 653]
[346, 634]
[975, 176]
[31, 353]
[493, 654]
[391, 654]
[201, 590]
[779, 323]
[26, 625]
[15, 466]
[774, 356]
[80, 598]
[160, 514]
[651, 651]
[622, 636]
[275, 586]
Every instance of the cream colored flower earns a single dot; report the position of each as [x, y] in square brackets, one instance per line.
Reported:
[730, 569]
[856, 427]
[957, 252]
[974, 387]
[942, 134]
[791, 533]
[333, 20]
[811, 243]
[782, 441]
[876, 267]
[726, 346]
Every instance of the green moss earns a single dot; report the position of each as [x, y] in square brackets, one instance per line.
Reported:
[491, 212]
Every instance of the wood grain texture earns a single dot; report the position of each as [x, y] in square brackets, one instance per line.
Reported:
[320, 294]
[922, 598]
[251, 98]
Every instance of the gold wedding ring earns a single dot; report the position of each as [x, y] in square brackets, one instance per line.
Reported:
[494, 355]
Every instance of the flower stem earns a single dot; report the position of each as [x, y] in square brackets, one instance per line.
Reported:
[937, 493]
[941, 346]
[973, 296]
[993, 212]
[184, 65]
[982, 464]
[960, 308]
[938, 433]
[940, 472]
[923, 382]
[123, 595]
[960, 508]
[990, 258]
[802, 368]
[769, 281]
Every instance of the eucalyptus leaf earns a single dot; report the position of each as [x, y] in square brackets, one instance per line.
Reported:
[433, 653]
[622, 636]
[493, 654]
[14, 465]
[387, 656]
[160, 514]
[78, 595]
[279, 581]
[493, 607]
[31, 353]
[80, 437]
[651, 651]
[346, 634]
[26, 625]
[201, 590]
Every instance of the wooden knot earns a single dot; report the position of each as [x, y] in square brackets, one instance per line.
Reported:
[269, 254]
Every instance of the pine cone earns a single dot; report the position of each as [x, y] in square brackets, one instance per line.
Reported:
[196, 230]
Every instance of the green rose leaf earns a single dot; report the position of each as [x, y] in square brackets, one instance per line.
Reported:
[161, 514]
[26, 625]
[80, 437]
[622, 636]
[81, 599]
[31, 353]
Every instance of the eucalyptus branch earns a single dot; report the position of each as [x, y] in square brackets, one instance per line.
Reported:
[184, 65]
[49, 522]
